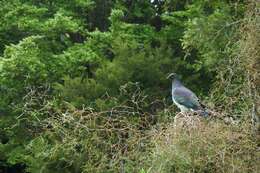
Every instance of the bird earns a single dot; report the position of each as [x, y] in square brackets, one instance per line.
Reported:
[184, 98]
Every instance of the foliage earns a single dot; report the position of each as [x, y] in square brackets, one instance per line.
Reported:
[85, 140]
[83, 84]
[191, 144]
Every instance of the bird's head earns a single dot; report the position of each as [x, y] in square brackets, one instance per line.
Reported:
[172, 76]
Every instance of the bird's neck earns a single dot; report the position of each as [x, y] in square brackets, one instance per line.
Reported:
[176, 83]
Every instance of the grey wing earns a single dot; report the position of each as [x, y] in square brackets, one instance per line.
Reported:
[186, 97]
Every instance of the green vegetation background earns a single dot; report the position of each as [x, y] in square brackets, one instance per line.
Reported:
[83, 87]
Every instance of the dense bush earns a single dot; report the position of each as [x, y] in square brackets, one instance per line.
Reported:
[83, 85]
[191, 144]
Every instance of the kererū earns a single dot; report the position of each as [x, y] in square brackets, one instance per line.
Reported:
[184, 98]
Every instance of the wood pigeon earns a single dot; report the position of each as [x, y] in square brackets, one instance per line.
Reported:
[184, 98]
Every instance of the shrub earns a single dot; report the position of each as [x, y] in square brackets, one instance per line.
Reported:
[193, 144]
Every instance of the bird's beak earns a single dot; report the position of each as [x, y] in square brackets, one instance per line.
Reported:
[169, 76]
